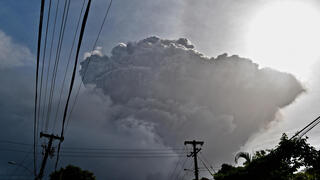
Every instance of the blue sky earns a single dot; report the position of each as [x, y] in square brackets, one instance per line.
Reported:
[20, 19]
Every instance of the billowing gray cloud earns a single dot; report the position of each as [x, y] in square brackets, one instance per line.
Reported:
[166, 90]
[155, 93]
[89, 127]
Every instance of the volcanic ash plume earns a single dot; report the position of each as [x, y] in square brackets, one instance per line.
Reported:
[173, 91]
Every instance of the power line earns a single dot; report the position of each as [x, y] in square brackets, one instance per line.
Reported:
[128, 149]
[85, 17]
[64, 27]
[21, 162]
[57, 59]
[94, 155]
[102, 148]
[185, 170]
[43, 63]
[24, 169]
[14, 142]
[174, 170]
[120, 153]
[69, 59]
[118, 157]
[53, 78]
[307, 128]
[206, 167]
[85, 72]
[49, 64]
[206, 161]
[37, 77]
[182, 168]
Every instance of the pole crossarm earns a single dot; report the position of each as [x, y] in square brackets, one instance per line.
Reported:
[194, 142]
[51, 136]
[48, 151]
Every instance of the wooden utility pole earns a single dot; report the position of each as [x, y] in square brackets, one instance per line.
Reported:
[193, 154]
[49, 150]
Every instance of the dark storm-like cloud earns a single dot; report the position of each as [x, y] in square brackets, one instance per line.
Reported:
[172, 92]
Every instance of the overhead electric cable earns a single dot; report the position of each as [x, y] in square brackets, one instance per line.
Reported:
[310, 126]
[104, 148]
[184, 162]
[309, 129]
[36, 93]
[84, 22]
[118, 157]
[125, 149]
[102, 156]
[14, 142]
[64, 27]
[67, 67]
[205, 165]
[21, 162]
[120, 152]
[43, 64]
[105, 153]
[207, 161]
[85, 72]
[174, 170]
[58, 51]
[186, 172]
[49, 64]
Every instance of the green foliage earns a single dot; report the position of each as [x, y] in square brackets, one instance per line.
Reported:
[281, 163]
[72, 173]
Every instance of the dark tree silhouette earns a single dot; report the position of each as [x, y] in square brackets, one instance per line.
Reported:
[281, 163]
[72, 173]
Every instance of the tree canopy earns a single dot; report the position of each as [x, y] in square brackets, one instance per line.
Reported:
[72, 173]
[292, 159]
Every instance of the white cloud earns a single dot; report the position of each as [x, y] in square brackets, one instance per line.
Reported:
[13, 54]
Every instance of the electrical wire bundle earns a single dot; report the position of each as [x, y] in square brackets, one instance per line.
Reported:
[55, 55]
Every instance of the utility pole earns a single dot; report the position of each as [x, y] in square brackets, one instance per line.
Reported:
[49, 150]
[194, 154]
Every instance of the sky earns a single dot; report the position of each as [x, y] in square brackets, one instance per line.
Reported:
[235, 74]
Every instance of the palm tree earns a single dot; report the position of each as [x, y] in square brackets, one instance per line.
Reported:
[243, 155]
